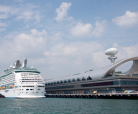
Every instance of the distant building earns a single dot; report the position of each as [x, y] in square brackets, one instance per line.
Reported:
[100, 79]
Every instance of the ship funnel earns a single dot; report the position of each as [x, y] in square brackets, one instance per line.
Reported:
[24, 63]
[17, 64]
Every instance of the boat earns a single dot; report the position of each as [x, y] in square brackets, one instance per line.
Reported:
[20, 81]
[2, 96]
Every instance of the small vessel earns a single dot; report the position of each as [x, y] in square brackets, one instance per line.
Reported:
[2, 96]
[20, 81]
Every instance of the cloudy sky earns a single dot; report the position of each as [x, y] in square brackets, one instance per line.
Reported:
[61, 38]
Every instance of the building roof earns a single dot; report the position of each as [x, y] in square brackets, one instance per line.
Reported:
[99, 73]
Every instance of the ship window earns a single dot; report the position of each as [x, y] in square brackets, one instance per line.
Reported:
[38, 89]
[40, 86]
[31, 89]
[27, 89]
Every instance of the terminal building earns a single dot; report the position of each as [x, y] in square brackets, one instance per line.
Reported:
[105, 79]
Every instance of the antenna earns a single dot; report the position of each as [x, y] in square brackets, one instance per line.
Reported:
[111, 53]
[17, 64]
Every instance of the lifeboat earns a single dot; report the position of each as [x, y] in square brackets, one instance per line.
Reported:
[3, 87]
[11, 86]
[0, 88]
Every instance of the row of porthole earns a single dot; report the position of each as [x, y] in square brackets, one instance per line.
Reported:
[27, 92]
[73, 80]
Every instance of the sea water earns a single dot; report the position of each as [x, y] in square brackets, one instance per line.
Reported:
[68, 106]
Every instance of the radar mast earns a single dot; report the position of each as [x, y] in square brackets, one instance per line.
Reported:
[111, 53]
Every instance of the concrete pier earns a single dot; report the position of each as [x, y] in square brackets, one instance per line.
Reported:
[96, 96]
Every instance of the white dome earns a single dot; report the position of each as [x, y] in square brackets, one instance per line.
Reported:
[111, 51]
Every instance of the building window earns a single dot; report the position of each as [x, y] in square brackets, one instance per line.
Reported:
[83, 79]
[116, 82]
[61, 81]
[65, 81]
[78, 79]
[73, 80]
[89, 78]
[69, 80]
[135, 75]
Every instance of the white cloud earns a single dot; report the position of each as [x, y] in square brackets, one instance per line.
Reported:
[31, 44]
[62, 11]
[24, 45]
[4, 11]
[25, 15]
[4, 8]
[100, 59]
[28, 12]
[127, 20]
[86, 30]
[81, 30]
[64, 59]
[2, 24]
[71, 58]
[74, 57]
[2, 29]
[99, 28]
[125, 52]
[25, 12]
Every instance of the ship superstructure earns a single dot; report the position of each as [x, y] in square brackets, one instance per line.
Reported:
[22, 82]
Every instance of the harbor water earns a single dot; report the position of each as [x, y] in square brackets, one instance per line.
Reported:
[68, 106]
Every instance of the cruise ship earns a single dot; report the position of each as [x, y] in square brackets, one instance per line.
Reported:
[20, 81]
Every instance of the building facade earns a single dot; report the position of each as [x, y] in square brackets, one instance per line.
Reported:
[102, 80]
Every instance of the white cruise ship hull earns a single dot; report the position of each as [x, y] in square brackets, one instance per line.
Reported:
[11, 93]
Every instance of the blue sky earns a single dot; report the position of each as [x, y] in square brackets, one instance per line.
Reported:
[61, 38]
